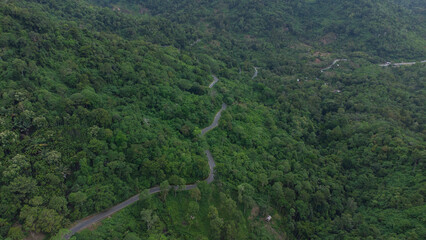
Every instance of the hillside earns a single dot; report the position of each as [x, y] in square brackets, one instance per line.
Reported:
[101, 100]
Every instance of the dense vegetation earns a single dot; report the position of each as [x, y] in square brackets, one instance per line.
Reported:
[102, 99]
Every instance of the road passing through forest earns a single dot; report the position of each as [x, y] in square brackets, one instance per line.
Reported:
[255, 73]
[88, 221]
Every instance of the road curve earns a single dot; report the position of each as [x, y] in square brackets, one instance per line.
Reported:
[255, 73]
[87, 222]
[215, 122]
[215, 80]
[334, 62]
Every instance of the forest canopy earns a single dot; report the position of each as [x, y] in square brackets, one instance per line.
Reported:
[103, 99]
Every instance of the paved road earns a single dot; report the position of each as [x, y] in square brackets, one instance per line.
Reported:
[215, 79]
[215, 122]
[98, 217]
[212, 164]
[255, 73]
[85, 223]
[400, 64]
[334, 62]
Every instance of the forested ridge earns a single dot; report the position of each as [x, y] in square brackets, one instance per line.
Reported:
[103, 99]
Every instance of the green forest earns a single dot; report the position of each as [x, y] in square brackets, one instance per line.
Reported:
[101, 100]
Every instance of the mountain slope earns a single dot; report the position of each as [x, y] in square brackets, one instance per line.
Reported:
[103, 99]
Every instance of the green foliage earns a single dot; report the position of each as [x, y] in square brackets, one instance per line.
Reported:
[149, 218]
[101, 99]
[15, 233]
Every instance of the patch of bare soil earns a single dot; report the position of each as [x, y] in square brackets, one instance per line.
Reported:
[330, 74]
[143, 10]
[254, 212]
[321, 54]
[301, 46]
[35, 236]
[117, 8]
[354, 65]
[317, 61]
[94, 226]
[241, 104]
[328, 38]
[278, 235]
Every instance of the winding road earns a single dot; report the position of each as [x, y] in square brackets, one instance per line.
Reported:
[400, 64]
[334, 62]
[88, 221]
[255, 73]
[381, 65]
[215, 120]
[215, 79]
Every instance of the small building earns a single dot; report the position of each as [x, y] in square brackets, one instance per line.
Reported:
[268, 218]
